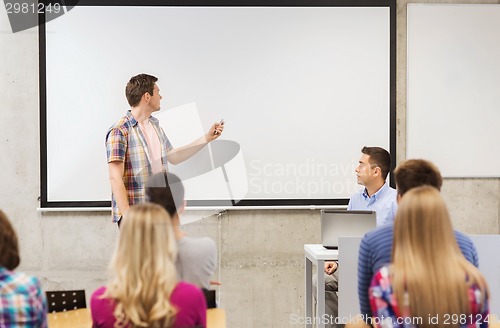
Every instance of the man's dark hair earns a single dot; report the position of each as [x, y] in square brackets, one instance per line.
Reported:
[166, 189]
[415, 173]
[138, 86]
[9, 249]
[379, 157]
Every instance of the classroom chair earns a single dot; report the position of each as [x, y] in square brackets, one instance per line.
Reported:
[66, 300]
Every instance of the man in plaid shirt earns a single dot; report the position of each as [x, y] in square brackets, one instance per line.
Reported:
[22, 301]
[137, 146]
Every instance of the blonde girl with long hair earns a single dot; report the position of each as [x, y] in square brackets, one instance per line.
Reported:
[143, 290]
[429, 282]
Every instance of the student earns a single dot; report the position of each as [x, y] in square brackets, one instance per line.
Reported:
[197, 257]
[376, 246]
[22, 301]
[137, 146]
[143, 290]
[371, 172]
[428, 278]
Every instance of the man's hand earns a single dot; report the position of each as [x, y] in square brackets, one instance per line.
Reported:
[330, 267]
[215, 131]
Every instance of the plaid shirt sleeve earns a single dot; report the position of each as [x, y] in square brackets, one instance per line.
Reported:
[384, 306]
[22, 301]
[116, 145]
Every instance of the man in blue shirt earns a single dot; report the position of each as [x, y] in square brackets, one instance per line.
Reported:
[371, 172]
[376, 246]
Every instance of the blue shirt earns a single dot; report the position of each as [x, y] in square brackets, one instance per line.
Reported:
[375, 251]
[383, 202]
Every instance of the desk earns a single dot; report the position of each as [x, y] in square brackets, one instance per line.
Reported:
[317, 254]
[216, 318]
[79, 318]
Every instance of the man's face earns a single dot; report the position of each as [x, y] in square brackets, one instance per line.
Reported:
[365, 171]
[154, 100]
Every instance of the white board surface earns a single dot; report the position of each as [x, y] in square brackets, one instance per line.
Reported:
[453, 98]
[301, 90]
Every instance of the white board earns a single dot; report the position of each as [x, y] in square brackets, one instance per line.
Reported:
[301, 90]
[453, 98]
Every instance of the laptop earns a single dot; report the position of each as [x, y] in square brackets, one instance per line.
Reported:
[342, 223]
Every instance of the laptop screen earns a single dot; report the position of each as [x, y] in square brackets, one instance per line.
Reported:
[342, 223]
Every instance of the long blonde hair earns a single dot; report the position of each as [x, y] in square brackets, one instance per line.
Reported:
[427, 262]
[143, 273]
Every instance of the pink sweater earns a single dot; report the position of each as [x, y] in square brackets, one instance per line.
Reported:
[187, 298]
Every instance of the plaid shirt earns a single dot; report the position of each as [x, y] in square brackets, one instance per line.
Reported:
[22, 302]
[125, 142]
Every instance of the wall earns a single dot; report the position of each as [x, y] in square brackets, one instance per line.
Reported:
[261, 252]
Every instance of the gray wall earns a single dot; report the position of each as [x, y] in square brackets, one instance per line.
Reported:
[261, 252]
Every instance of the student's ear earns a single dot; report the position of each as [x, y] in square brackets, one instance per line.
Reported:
[398, 199]
[146, 96]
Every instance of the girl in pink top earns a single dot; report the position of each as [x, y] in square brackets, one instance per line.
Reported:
[143, 290]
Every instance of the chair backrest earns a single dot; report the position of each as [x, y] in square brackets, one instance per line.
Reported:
[210, 298]
[65, 300]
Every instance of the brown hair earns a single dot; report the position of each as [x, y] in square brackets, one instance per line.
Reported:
[9, 249]
[166, 189]
[380, 157]
[428, 268]
[415, 173]
[138, 86]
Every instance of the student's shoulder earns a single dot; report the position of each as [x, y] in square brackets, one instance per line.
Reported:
[205, 242]
[17, 282]
[197, 249]
[462, 236]
[185, 289]
[393, 194]
[382, 279]
[389, 194]
[383, 272]
[97, 294]
[122, 125]
[99, 291]
[386, 229]
[188, 298]
[393, 191]
[463, 240]
[184, 286]
[380, 233]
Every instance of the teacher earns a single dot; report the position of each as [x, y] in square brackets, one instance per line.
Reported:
[137, 146]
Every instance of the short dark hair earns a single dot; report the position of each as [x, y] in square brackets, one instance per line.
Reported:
[414, 173]
[138, 86]
[380, 157]
[9, 249]
[166, 189]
